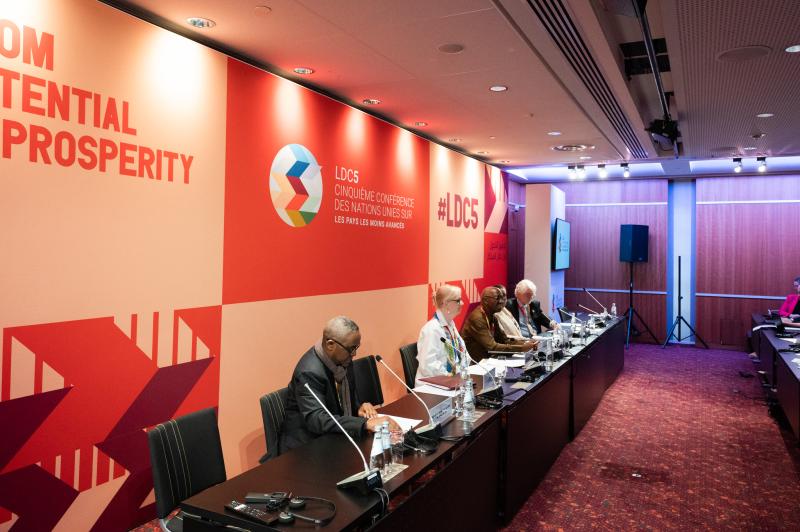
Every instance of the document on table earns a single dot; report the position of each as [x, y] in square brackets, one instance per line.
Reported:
[406, 423]
[433, 390]
[509, 362]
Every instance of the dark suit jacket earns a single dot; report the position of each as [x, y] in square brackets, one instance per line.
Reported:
[538, 318]
[305, 419]
[478, 337]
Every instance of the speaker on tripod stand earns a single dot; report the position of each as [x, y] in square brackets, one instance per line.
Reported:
[633, 248]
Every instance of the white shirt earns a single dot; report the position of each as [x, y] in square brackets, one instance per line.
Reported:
[432, 354]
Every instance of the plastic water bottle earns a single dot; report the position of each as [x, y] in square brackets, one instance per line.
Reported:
[614, 310]
[386, 441]
[376, 456]
[469, 400]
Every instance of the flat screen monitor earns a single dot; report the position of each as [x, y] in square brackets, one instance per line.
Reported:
[560, 252]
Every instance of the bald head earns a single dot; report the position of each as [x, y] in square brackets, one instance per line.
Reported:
[341, 339]
[492, 299]
[339, 327]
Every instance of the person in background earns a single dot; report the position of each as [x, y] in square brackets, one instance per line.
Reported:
[506, 320]
[325, 367]
[527, 311]
[434, 356]
[790, 309]
[482, 334]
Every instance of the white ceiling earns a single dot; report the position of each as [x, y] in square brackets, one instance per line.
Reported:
[389, 50]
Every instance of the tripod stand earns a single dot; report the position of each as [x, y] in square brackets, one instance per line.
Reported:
[631, 312]
[679, 318]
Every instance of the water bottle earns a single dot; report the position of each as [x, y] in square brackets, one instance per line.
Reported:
[386, 441]
[614, 310]
[458, 400]
[376, 456]
[469, 400]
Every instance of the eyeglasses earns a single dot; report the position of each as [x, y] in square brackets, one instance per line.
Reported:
[454, 301]
[350, 350]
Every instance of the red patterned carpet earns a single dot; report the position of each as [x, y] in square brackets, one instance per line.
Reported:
[681, 441]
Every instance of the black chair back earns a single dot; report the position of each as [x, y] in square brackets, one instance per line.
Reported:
[186, 456]
[273, 412]
[368, 383]
[565, 314]
[408, 354]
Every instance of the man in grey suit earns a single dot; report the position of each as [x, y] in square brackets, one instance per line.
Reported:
[325, 368]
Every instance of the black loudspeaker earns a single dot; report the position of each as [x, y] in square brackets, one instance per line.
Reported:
[633, 243]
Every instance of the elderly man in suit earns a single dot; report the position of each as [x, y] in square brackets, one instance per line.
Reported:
[528, 311]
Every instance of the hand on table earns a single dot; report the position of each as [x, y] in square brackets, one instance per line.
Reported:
[367, 410]
[373, 424]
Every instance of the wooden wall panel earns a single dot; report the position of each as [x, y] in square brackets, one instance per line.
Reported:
[748, 188]
[594, 261]
[516, 232]
[724, 322]
[744, 248]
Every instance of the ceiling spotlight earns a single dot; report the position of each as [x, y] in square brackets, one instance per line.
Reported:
[626, 173]
[420, 124]
[554, 133]
[454, 139]
[492, 137]
[749, 148]
[585, 157]
[601, 171]
[762, 164]
[200, 22]
[370, 101]
[482, 152]
[498, 88]
[571, 171]
[793, 49]
[581, 171]
[504, 161]
[765, 115]
[303, 71]
[738, 162]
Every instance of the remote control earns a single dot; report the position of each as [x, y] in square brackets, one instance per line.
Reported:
[248, 512]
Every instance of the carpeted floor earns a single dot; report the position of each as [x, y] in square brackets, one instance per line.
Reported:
[681, 441]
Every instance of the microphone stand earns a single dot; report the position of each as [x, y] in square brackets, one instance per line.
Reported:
[432, 430]
[497, 385]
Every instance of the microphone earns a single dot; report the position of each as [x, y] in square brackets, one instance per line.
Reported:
[605, 312]
[498, 388]
[431, 430]
[364, 481]
[590, 310]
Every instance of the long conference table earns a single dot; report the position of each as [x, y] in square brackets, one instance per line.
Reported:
[477, 481]
[780, 374]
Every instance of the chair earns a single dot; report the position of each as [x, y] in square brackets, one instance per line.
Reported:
[186, 457]
[273, 412]
[368, 383]
[565, 314]
[408, 354]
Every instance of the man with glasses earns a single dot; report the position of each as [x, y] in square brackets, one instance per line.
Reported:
[325, 368]
[481, 332]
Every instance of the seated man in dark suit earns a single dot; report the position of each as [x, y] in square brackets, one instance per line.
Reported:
[325, 368]
[482, 334]
[527, 311]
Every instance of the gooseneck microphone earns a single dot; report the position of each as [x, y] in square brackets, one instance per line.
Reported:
[431, 430]
[591, 311]
[605, 312]
[364, 481]
[497, 385]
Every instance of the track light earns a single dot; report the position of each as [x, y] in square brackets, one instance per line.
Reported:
[581, 172]
[626, 173]
[762, 164]
[601, 171]
[571, 171]
[737, 161]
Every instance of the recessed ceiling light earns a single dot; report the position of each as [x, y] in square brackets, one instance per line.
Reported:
[585, 157]
[793, 49]
[451, 48]
[492, 137]
[554, 133]
[765, 115]
[498, 88]
[420, 124]
[749, 148]
[262, 11]
[200, 22]
[743, 53]
[758, 135]
[454, 139]
[482, 152]
[370, 101]
[573, 147]
[303, 71]
[504, 161]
